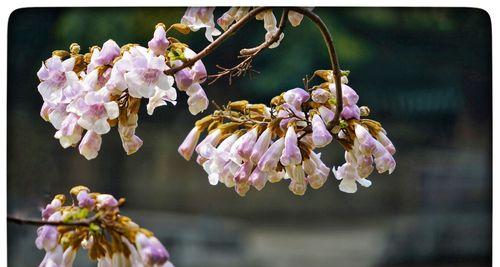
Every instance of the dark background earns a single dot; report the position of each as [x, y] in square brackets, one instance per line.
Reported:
[424, 72]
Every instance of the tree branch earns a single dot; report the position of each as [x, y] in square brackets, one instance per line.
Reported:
[250, 53]
[309, 14]
[333, 59]
[23, 221]
[207, 50]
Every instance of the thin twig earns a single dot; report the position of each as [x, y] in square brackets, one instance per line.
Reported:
[249, 54]
[38, 222]
[281, 26]
[209, 49]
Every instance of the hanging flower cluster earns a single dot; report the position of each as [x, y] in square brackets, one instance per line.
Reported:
[197, 18]
[250, 144]
[86, 94]
[94, 223]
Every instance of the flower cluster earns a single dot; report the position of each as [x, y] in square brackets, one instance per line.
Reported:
[94, 223]
[250, 144]
[86, 94]
[203, 17]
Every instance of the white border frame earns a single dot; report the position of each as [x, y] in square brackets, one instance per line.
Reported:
[10, 6]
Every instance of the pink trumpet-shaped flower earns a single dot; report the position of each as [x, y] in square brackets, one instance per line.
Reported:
[70, 132]
[187, 147]
[383, 159]
[348, 175]
[295, 18]
[227, 18]
[201, 17]
[326, 114]
[384, 140]
[110, 50]
[184, 79]
[258, 179]
[246, 144]
[46, 237]
[151, 251]
[298, 184]
[206, 147]
[271, 157]
[291, 152]
[52, 75]
[295, 97]
[243, 173]
[320, 136]
[145, 73]
[197, 100]
[90, 145]
[159, 43]
[261, 145]
[366, 141]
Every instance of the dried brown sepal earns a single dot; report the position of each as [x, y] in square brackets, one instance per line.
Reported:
[214, 125]
[326, 75]
[74, 48]
[305, 149]
[77, 189]
[60, 53]
[277, 100]
[274, 126]
[80, 64]
[238, 105]
[374, 127]
[182, 28]
[229, 127]
[204, 122]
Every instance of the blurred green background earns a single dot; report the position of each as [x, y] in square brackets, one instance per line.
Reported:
[424, 72]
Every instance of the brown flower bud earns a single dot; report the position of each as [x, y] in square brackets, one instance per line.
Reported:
[60, 53]
[74, 48]
[364, 111]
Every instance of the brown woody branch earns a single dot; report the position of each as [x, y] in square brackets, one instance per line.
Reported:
[23, 221]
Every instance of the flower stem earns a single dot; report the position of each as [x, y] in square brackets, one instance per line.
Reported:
[38, 222]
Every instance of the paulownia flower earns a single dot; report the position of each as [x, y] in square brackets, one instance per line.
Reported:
[94, 223]
[250, 144]
[85, 95]
[201, 17]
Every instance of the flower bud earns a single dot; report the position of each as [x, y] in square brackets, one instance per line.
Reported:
[320, 95]
[106, 201]
[159, 43]
[151, 250]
